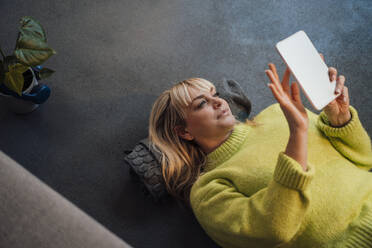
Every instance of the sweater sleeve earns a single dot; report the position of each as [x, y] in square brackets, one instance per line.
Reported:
[351, 140]
[271, 216]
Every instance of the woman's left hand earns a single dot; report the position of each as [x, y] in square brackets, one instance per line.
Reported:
[337, 111]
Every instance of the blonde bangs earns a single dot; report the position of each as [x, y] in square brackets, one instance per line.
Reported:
[180, 96]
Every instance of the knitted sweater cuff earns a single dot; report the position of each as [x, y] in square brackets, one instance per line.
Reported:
[362, 235]
[324, 124]
[290, 173]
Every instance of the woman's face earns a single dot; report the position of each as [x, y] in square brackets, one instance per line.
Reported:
[208, 116]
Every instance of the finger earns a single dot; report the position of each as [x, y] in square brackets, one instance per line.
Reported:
[273, 69]
[332, 73]
[274, 80]
[285, 82]
[322, 56]
[295, 92]
[340, 84]
[275, 92]
[345, 94]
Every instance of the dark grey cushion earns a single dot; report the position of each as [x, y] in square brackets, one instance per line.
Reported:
[233, 93]
[33, 215]
[145, 168]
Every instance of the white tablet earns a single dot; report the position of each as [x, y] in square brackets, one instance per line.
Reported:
[310, 71]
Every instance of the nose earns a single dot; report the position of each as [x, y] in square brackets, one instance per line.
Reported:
[217, 102]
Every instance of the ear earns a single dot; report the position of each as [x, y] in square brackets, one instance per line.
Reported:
[183, 133]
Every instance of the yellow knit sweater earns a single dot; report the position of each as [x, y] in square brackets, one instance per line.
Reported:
[253, 195]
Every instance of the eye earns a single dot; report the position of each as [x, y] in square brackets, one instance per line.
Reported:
[203, 101]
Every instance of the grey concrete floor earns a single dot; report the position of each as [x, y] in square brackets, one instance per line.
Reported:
[114, 59]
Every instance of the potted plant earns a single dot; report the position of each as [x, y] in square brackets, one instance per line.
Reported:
[20, 71]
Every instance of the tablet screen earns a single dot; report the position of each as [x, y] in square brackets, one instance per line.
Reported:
[308, 68]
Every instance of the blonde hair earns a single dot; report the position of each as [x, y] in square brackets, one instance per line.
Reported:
[182, 161]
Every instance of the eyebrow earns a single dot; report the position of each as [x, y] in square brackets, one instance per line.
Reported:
[201, 96]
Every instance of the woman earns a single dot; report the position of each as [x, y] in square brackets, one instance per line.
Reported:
[288, 178]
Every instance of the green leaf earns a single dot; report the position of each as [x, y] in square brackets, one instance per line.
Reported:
[28, 39]
[32, 48]
[14, 78]
[32, 27]
[33, 57]
[45, 72]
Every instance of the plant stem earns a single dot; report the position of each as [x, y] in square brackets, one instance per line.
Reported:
[1, 51]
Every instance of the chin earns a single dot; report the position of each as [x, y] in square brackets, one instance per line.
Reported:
[230, 120]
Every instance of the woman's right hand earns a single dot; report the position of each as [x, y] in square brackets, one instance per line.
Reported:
[290, 102]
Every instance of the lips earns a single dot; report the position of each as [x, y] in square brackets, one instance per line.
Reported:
[223, 111]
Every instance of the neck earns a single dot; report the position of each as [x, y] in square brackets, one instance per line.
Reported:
[212, 145]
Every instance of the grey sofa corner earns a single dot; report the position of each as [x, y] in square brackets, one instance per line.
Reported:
[34, 215]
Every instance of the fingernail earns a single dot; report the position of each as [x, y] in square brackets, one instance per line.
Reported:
[333, 78]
